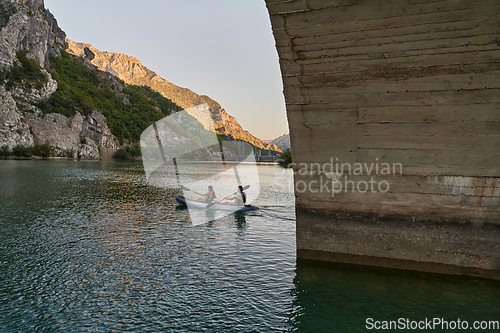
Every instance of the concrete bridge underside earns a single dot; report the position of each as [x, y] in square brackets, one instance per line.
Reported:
[404, 84]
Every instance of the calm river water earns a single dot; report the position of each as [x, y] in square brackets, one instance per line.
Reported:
[89, 246]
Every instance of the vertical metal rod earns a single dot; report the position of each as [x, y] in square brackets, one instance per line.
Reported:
[176, 171]
[224, 163]
[163, 154]
[159, 144]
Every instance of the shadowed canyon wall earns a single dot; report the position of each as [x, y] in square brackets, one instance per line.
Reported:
[394, 115]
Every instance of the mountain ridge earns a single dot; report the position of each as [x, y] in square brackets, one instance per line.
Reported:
[132, 71]
[282, 142]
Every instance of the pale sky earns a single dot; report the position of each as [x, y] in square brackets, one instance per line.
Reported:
[220, 48]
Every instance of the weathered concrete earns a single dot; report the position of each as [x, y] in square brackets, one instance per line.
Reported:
[408, 83]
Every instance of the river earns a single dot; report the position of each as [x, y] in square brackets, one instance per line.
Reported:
[90, 246]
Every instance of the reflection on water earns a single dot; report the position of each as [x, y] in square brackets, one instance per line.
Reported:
[240, 221]
[92, 247]
[343, 297]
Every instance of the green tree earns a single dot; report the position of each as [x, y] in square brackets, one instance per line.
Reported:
[285, 159]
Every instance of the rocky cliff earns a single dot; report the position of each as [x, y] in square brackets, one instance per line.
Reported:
[27, 26]
[131, 71]
[30, 27]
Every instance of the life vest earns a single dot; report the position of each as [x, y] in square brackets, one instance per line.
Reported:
[241, 198]
[210, 196]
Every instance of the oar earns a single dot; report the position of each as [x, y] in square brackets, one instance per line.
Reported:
[186, 189]
[214, 203]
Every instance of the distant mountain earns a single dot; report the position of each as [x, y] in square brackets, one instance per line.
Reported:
[131, 71]
[282, 142]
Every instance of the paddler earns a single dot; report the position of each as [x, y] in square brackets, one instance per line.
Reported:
[209, 196]
[240, 198]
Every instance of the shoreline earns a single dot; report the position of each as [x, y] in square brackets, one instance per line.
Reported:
[127, 160]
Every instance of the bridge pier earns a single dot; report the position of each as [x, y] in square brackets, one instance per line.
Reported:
[394, 116]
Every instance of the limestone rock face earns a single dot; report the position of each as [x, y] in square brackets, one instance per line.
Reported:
[30, 28]
[54, 128]
[33, 4]
[77, 134]
[13, 128]
[96, 128]
[23, 32]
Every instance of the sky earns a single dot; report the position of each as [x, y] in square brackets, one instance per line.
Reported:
[220, 48]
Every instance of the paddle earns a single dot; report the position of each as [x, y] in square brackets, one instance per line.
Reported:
[216, 202]
[186, 189]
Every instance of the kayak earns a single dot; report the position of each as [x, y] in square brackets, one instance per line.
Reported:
[197, 204]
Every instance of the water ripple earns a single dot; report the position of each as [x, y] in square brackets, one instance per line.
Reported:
[95, 248]
[91, 247]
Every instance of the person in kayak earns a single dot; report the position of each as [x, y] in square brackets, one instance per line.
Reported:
[209, 196]
[240, 198]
